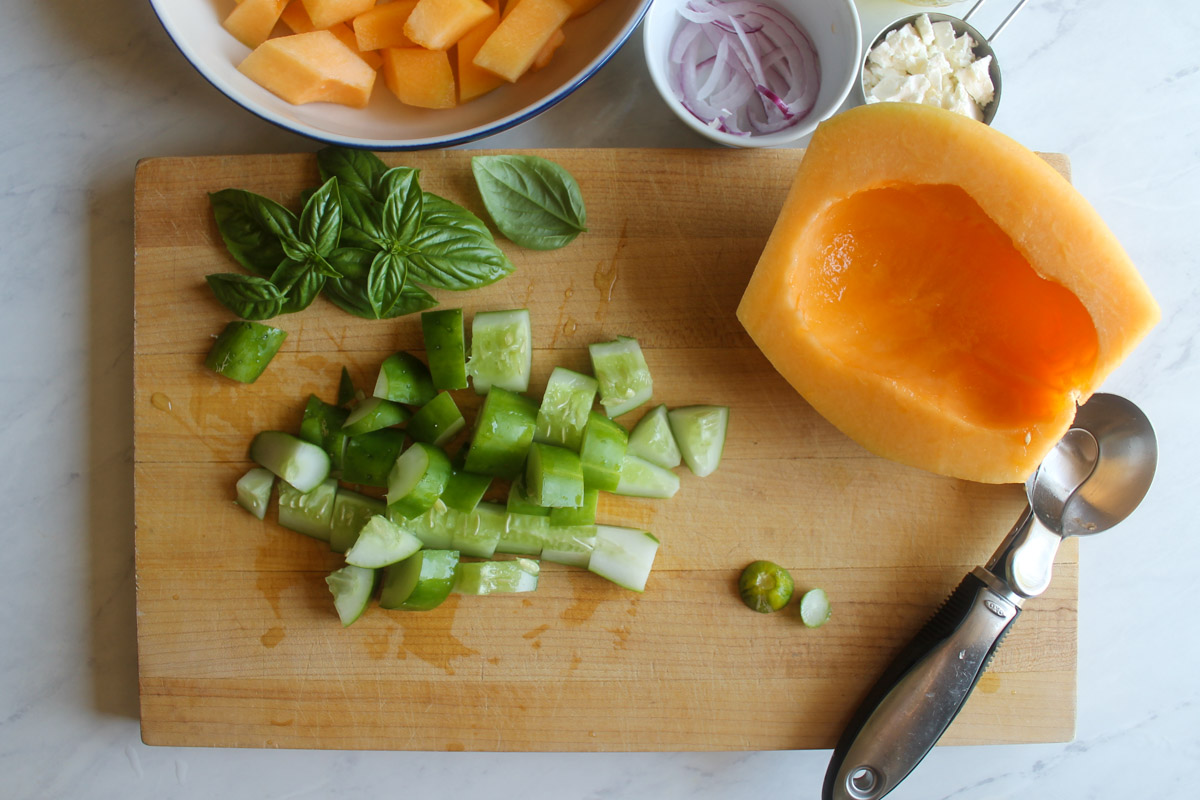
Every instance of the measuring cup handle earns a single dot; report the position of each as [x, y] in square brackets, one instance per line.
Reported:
[920, 694]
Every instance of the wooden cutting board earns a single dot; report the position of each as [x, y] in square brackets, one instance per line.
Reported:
[237, 641]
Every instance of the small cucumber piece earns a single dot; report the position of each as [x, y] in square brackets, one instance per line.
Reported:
[519, 502]
[621, 371]
[640, 478]
[623, 556]
[465, 489]
[571, 545]
[302, 464]
[524, 534]
[351, 511]
[502, 435]
[652, 440]
[501, 350]
[322, 425]
[601, 452]
[404, 378]
[310, 513]
[417, 479]
[381, 542]
[435, 528]
[700, 432]
[370, 457]
[564, 411]
[445, 347]
[583, 515]
[814, 608]
[374, 414]
[553, 477]
[346, 391]
[437, 422]
[254, 491]
[351, 587]
[765, 586]
[420, 582]
[492, 577]
[243, 350]
[482, 531]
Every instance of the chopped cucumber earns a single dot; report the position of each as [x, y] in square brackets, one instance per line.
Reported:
[374, 414]
[652, 439]
[370, 457]
[583, 515]
[553, 477]
[310, 513]
[571, 545]
[482, 531]
[765, 586]
[519, 502]
[492, 577]
[814, 608]
[346, 392]
[351, 587]
[524, 534]
[622, 374]
[420, 582]
[564, 411]
[351, 511]
[501, 350]
[437, 422]
[404, 378]
[417, 479]
[243, 350]
[445, 347]
[322, 425]
[623, 556]
[700, 432]
[381, 542]
[640, 478]
[254, 491]
[503, 432]
[302, 464]
[465, 489]
[601, 452]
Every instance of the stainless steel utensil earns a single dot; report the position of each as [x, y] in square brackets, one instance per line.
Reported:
[1094, 477]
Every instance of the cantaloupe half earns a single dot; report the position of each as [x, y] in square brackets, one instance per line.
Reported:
[941, 294]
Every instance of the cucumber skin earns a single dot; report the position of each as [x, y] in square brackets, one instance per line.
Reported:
[382, 414]
[445, 347]
[482, 531]
[437, 421]
[640, 478]
[574, 517]
[347, 577]
[684, 422]
[262, 452]
[351, 511]
[243, 350]
[369, 457]
[602, 452]
[422, 495]
[464, 490]
[553, 477]
[503, 433]
[519, 502]
[380, 543]
[619, 551]
[490, 577]
[436, 573]
[653, 440]
[309, 513]
[404, 378]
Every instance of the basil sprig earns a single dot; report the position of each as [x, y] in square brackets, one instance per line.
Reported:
[534, 202]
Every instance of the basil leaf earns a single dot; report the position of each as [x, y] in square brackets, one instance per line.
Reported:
[321, 219]
[300, 282]
[288, 273]
[362, 220]
[323, 266]
[248, 296]
[401, 196]
[351, 297]
[448, 256]
[534, 202]
[357, 171]
[437, 210]
[354, 263]
[251, 242]
[386, 281]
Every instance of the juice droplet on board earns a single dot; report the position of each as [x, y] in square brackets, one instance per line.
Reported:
[160, 401]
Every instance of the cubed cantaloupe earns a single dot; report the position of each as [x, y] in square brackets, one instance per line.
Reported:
[310, 67]
[419, 77]
[383, 26]
[520, 36]
[324, 13]
[297, 19]
[438, 24]
[472, 80]
[547, 52]
[252, 21]
[581, 7]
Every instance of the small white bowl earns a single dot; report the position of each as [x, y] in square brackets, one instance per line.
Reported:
[385, 124]
[834, 29]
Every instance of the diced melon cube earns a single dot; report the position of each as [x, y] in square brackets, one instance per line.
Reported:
[515, 43]
[438, 24]
[581, 7]
[383, 26]
[547, 52]
[473, 81]
[296, 18]
[310, 67]
[419, 77]
[252, 21]
[324, 13]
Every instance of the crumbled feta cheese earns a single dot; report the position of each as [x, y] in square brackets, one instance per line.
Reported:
[977, 80]
[925, 29]
[943, 34]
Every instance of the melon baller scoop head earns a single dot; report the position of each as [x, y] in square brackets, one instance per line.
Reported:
[1093, 478]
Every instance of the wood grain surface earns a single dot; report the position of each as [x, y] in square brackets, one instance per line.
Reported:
[238, 644]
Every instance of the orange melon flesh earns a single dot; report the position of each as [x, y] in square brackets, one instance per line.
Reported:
[940, 294]
[474, 81]
[419, 77]
[438, 24]
[324, 13]
[252, 21]
[522, 33]
[548, 50]
[383, 26]
[310, 67]
[297, 20]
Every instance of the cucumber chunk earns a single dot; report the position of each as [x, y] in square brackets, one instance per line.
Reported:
[700, 432]
[623, 556]
[814, 608]
[465, 489]
[420, 582]
[404, 378]
[622, 374]
[346, 392]
[310, 513]
[571, 545]
[437, 422]
[445, 347]
[322, 426]
[640, 478]
[601, 452]
[380, 543]
[302, 464]
[583, 515]
[351, 511]
[652, 440]
[370, 457]
[254, 491]
[417, 479]
[492, 577]
[351, 587]
[765, 586]
[435, 528]
[519, 502]
[553, 477]
[243, 350]
[374, 414]
[482, 531]
[503, 433]
[524, 534]
[564, 411]
[501, 350]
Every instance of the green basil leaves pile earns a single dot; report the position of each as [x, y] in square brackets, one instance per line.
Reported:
[369, 238]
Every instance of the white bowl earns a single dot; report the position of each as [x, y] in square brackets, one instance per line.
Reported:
[592, 39]
[834, 29]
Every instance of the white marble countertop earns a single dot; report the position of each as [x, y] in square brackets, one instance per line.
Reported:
[92, 87]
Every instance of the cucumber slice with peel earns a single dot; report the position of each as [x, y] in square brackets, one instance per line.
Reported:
[373, 414]
[814, 608]
[370, 457]
[465, 489]
[420, 582]
[417, 479]
[254, 491]
[622, 374]
[404, 378]
[381, 542]
[301, 464]
[243, 350]
[553, 477]
[351, 511]
[700, 432]
[482, 531]
[493, 577]
[445, 347]
[435, 528]
[524, 534]
[310, 513]
[623, 556]
[640, 478]
[568, 398]
[651, 439]
[502, 435]
[519, 502]
[351, 587]
[501, 350]
[583, 515]
[436, 422]
[570, 544]
[601, 452]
